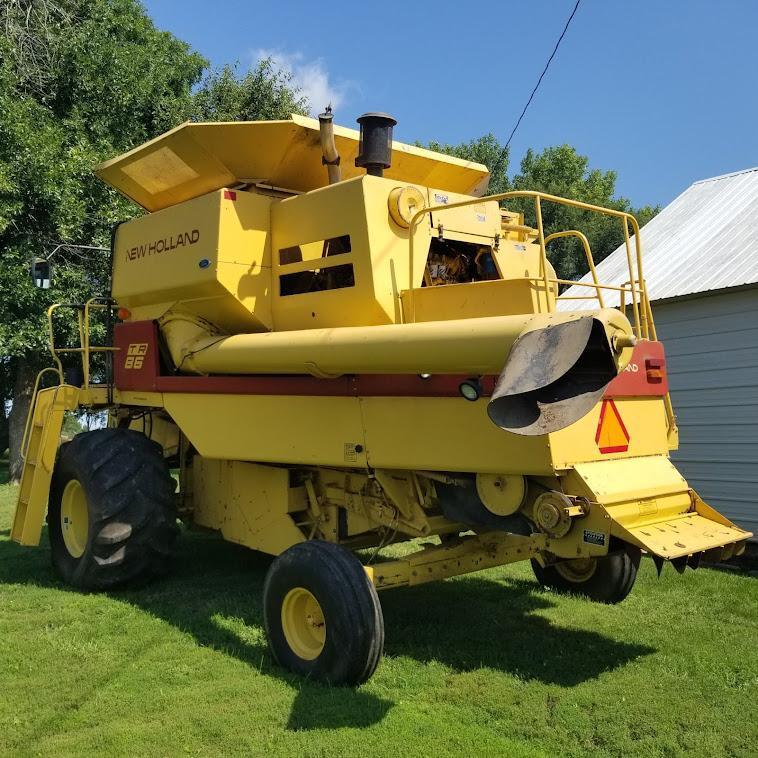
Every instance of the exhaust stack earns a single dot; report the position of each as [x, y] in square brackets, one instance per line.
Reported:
[555, 375]
[375, 145]
[329, 155]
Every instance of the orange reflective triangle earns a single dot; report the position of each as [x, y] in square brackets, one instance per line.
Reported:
[611, 435]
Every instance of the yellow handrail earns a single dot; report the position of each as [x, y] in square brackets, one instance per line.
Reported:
[30, 415]
[587, 252]
[641, 316]
[83, 314]
[96, 303]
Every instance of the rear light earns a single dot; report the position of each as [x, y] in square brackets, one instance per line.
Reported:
[654, 370]
[124, 314]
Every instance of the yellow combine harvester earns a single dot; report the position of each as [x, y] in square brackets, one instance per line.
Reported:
[341, 343]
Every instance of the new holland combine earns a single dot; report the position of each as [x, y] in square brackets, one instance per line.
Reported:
[338, 342]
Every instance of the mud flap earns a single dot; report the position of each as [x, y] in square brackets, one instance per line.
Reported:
[651, 505]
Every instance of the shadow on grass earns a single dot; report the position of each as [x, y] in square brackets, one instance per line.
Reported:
[466, 625]
[477, 623]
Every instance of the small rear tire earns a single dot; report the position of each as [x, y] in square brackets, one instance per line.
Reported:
[608, 579]
[111, 515]
[322, 614]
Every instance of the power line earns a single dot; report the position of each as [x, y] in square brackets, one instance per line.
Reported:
[536, 86]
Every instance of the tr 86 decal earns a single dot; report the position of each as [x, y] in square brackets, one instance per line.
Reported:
[135, 355]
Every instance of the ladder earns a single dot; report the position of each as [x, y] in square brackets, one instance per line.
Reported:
[39, 449]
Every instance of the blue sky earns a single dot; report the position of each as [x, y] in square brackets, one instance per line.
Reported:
[663, 91]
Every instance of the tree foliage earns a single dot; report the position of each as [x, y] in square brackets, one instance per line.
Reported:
[263, 93]
[559, 171]
[82, 81]
[486, 150]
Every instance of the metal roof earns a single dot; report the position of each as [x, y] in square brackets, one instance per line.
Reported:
[706, 239]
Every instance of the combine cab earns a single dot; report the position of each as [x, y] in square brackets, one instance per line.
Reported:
[341, 342]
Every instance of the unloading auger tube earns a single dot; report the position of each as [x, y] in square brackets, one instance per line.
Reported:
[552, 368]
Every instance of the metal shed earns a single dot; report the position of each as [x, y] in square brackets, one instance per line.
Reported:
[700, 258]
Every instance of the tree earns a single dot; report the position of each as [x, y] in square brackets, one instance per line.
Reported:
[563, 171]
[82, 81]
[486, 150]
[263, 93]
[557, 171]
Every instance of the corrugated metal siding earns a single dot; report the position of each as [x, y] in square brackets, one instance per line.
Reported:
[712, 357]
[706, 239]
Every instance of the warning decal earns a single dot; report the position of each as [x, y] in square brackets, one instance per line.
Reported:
[611, 435]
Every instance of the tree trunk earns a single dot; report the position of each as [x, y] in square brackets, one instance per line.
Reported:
[22, 397]
[3, 427]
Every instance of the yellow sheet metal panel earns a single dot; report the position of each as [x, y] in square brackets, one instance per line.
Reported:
[651, 505]
[194, 159]
[354, 214]
[276, 429]
[616, 481]
[446, 434]
[404, 433]
[645, 422]
[247, 503]
[132, 397]
[476, 299]
[683, 535]
[481, 220]
[390, 248]
[210, 256]
[306, 222]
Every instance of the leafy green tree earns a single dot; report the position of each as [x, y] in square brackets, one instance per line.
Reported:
[82, 81]
[559, 171]
[486, 150]
[263, 93]
[563, 171]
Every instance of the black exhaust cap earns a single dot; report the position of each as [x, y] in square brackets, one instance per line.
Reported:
[375, 146]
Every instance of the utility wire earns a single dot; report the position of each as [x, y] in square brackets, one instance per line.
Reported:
[536, 87]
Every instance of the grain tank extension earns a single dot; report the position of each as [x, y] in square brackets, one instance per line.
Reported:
[340, 342]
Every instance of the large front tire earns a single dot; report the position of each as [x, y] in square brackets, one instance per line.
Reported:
[605, 580]
[111, 515]
[322, 614]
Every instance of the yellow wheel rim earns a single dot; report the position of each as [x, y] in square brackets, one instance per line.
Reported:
[303, 624]
[579, 570]
[74, 518]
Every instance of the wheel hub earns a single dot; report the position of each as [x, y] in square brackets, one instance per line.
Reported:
[577, 570]
[303, 623]
[74, 518]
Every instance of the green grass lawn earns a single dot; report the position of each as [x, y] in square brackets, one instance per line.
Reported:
[481, 665]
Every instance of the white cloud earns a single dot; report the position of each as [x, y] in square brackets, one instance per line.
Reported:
[310, 77]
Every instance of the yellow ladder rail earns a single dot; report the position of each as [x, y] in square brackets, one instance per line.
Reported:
[44, 424]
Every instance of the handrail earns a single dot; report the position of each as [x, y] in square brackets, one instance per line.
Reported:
[592, 285]
[83, 314]
[26, 439]
[641, 316]
[96, 303]
[587, 252]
